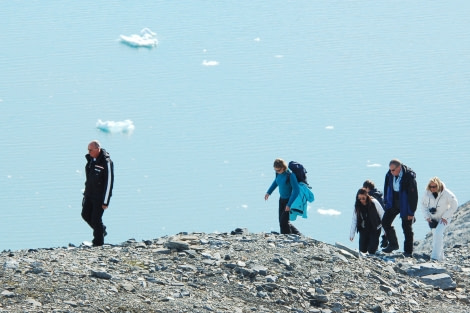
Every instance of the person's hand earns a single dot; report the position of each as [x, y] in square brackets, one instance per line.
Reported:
[444, 221]
[266, 196]
[104, 207]
[428, 219]
[287, 208]
[351, 238]
[410, 217]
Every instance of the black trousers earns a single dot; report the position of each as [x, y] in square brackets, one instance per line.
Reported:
[406, 225]
[92, 213]
[286, 226]
[369, 240]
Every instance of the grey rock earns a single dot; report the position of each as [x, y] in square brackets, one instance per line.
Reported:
[270, 286]
[389, 290]
[246, 272]
[163, 251]
[101, 275]
[271, 279]
[178, 245]
[7, 294]
[224, 273]
[33, 302]
[442, 281]
[262, 270]
[319, 299]
[11, 264]
[71, 303]
[281, 260]
[420, 270]
[188, 267]
[347, 252]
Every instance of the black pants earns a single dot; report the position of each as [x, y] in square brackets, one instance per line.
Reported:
[406, 225]
[92, 213]
[369, 240]
[286, 226]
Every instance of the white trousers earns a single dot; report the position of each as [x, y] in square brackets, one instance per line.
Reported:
[438, 241]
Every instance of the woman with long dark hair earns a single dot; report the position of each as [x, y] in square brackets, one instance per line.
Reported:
[367, 221]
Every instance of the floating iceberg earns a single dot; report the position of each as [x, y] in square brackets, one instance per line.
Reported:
[147, 38]
[331, 212]
[210, 63]
[125, 127]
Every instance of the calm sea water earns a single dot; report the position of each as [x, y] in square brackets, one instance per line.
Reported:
[341, 86]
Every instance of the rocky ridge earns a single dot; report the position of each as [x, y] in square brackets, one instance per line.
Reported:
[233, 272]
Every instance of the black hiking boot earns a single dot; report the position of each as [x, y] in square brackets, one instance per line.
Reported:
[390, 248]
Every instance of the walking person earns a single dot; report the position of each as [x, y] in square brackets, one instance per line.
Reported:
[369, 185]
[288, 192]
[367, 221]
[98, 189]
[400, 197]
[439, 205]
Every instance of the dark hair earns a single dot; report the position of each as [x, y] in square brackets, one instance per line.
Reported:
[358, 204]
[368, 184]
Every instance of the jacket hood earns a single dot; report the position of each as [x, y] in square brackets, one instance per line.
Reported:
[407, 170]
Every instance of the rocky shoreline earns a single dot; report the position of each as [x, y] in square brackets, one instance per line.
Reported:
[236, 272]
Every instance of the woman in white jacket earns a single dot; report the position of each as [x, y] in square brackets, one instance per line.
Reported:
[439, 205]
[367, 220]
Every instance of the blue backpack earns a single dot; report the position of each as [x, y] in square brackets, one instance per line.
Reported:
[299, 171]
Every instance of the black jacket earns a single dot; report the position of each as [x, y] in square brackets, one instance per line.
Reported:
[377, 194]
[99, 177]
[408, 192]
[368, 219]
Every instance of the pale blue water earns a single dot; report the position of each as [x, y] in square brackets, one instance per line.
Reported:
[341, 86]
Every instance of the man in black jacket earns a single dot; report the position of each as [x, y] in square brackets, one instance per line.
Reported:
[400, 197]
[98, 189]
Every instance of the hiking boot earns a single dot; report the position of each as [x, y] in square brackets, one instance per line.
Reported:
[384, 242]
[390, 248]
[408, 255]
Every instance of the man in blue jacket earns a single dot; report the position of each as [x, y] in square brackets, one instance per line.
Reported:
[400, 197]
[98, 189]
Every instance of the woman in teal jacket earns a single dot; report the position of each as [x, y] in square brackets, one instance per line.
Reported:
[288, 191]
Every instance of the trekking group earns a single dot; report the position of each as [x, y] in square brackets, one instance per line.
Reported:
[374, 211]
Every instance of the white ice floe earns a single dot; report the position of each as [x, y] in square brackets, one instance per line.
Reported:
[210, 63]
[147, 38]
[125, 127]
[328, 212]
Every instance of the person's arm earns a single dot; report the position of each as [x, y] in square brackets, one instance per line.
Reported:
[386, 189]
[378, 207]
[270, 190]
[452, 203]
[109, 182]
[352, 231]
[295, 189]
[412, 196]
[425, 208]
